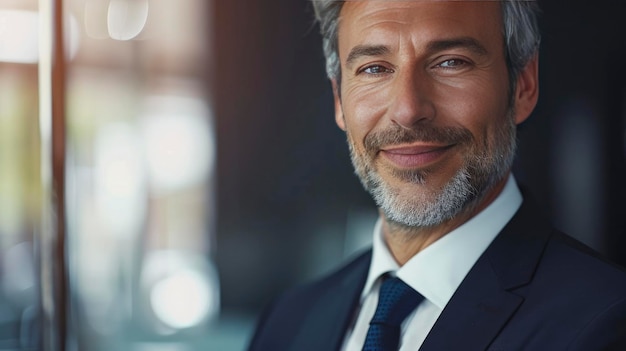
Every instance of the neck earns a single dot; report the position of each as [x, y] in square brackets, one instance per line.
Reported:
[404, 242]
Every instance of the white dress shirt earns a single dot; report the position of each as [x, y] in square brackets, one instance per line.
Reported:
[435, 272]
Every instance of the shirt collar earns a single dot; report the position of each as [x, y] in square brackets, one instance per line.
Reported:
[438, 270]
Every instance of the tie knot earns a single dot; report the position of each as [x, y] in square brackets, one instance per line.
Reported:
[396, 301]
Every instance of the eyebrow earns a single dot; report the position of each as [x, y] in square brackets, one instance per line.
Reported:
[366, 50]
[433, 46]
[464, 42]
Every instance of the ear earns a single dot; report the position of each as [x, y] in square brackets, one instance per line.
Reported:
[339, 119]
[527, 90]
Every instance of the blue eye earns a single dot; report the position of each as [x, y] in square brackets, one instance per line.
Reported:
[376, 69]
[452, 63]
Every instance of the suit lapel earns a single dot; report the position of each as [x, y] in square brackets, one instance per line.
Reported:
[474, 315]
[490, 293]
[325, 327]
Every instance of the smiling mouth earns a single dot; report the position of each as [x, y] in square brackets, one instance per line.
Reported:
[415, 156]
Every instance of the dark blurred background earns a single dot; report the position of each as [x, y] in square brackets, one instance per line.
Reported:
[289, 206]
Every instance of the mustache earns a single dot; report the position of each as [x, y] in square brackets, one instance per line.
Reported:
[396, 134]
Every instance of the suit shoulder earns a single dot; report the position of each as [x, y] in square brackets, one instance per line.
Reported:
[584, 256]
[357, 266]
[570, 261]
[587, 295]
[306, 308]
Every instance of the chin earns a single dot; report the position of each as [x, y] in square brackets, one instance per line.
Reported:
[421, 205]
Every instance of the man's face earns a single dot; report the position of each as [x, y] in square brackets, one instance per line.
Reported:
[426, 105]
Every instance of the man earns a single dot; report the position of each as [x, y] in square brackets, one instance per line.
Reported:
[429, 94]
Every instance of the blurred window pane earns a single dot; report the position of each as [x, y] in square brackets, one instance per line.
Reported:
[140, 168]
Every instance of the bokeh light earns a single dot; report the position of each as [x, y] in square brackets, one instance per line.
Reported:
[183, 299]
[127, 18]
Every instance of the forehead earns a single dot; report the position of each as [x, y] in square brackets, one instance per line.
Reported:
[370, 20]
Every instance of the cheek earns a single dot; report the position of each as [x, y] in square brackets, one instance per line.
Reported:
[363, 110]
[479, 109]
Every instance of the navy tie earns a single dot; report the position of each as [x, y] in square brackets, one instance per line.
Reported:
[396, 301]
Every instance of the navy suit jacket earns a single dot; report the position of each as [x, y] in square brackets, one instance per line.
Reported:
[534, 288]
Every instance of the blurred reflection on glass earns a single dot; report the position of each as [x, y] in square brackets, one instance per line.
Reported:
[140, 168]
[140, 172]
[126, 18]
[20, 191]
[20, 48]
[181, 289]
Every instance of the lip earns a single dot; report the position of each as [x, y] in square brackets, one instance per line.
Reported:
[415, 156]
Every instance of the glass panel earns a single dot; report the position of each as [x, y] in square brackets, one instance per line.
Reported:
[140, 168]
[20, 190]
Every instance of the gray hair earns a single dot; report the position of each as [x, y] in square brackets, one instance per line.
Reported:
[520, 32]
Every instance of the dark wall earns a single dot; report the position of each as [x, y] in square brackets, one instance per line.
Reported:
[284, 176]
[285, 184]
[572, 149]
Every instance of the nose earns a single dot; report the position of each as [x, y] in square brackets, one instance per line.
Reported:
[411, 102]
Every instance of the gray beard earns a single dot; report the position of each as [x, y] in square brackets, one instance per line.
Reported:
[485, 165]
